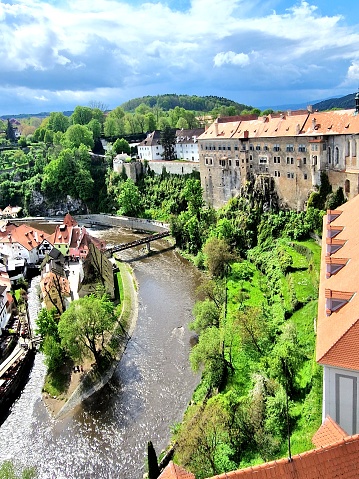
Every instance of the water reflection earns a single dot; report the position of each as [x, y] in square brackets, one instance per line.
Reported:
[107, 435]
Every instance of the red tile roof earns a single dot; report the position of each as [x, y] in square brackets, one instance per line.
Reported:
[172, 471]
[328, 433]
[340, 459]
[22, 234]
[338, 329]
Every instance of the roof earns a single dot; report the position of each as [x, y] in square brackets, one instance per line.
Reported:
[188, 135]
[172, 471]
[338, 304]
[23, 234]
[340, 459]
[152, 139]
[288, 124]
[328, 433]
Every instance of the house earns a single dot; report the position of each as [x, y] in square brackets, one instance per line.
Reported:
[336, 455]
[73, 240]
[10, 212]
[187, 144]
[288, 150]
[5, 308]
[19, 244]
[54, 283]
[338, 315]
[150, 148]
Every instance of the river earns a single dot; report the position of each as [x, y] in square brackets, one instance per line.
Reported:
[106, 437]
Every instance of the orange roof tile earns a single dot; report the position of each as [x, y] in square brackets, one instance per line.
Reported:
[328, 433]
[22, 234]
[172, 471]
[340, 459]
[338, 331]
[331, 123]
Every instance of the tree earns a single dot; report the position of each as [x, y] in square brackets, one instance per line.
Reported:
[121, 146]
[58, 122]
[182, 123]
[129, 199]
[78, 134]
[217, 257]
[82, 115]
[152, 462]
[168, 141]
[83, 326]
[95, 126]
[10, 133]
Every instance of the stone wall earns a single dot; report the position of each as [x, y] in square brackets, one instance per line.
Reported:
[173, 167]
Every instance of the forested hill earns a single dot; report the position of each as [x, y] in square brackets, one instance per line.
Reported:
[343, 103]
[188, 102]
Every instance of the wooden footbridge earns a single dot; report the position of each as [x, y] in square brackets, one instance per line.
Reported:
[146, 240]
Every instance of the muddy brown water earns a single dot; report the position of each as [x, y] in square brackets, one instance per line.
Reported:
[106, 437]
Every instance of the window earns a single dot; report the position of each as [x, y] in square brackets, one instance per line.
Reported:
[277, 173]
[288, 175]
[301, 148]
[314, 148]
[229, 148]
[265, 148]
[276, 159]
[290, 148]
[237, 162]
[258, 147]
[219, 147]
[222, 162]
[304, 161]
[336, 155]
[236, 148]
[229, 162]
[288, 160]
[276, 147]
[263, 160]
[251, 147]
[292, 161]
[305, 176]
[347, 186]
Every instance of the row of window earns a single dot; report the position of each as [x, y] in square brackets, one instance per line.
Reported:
[290, 175]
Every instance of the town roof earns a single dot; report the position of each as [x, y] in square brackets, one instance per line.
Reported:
[23, 234]
[152, 139]
[69, 220]
[328, 433]
[188, 135]
[338, 304]
[286, 124]
[336, 122]
[340, 459]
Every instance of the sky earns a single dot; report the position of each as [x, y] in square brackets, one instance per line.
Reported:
[57, 54]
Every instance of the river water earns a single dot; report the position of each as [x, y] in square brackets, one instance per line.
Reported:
[106, 437]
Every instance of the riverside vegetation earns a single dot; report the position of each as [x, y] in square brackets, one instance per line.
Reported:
[255, 317]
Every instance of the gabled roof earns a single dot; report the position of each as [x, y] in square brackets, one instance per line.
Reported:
[337, 122]
[338, 305]
[328, 433]
[23, 234]
[152, 139]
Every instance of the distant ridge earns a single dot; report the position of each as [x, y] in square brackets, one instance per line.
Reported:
[188, 102]
[343, 103]
[42, 114]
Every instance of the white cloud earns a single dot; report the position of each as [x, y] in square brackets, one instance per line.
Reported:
[240, 59]
[116, 46]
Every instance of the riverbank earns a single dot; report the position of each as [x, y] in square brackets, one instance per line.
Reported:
[79, 389]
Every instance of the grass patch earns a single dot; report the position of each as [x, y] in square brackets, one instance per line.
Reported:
[57, 382]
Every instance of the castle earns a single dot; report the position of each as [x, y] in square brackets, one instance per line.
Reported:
[287, 151]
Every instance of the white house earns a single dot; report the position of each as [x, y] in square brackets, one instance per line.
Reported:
[187, 144]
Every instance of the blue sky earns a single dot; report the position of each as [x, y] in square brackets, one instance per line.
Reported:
[59, 54]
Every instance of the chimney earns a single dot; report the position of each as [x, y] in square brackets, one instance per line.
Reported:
[310, 108]
[314, 123]
[216, 127]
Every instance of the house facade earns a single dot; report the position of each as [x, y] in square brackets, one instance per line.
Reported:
[289, 150]
[338, 316]
[186, 146]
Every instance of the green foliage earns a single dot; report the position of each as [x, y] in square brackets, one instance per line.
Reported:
[217, 257]
[168, 141]
[83, 326]
[9, 471]
[129, 199]
[77, 135]
[121, 146]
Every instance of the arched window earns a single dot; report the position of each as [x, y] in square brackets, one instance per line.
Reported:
[347, 186]
[348, 148]
[336, 156]
[329, 153]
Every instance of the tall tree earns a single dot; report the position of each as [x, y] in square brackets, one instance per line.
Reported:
[168, 141]
[83, 327]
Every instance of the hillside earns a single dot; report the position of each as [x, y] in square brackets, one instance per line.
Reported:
[188, 102]
[342, 103]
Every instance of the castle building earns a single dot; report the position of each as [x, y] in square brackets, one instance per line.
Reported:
[290, 150]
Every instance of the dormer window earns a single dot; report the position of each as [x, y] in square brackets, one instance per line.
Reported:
[335, 300]
[333, 265]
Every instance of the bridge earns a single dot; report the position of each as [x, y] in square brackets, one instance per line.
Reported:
[147, 240]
